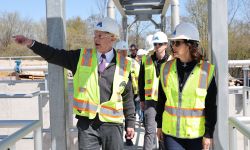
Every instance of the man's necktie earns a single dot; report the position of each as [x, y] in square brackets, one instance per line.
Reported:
[102, 66]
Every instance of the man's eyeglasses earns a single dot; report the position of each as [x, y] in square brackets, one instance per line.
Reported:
[101, 36]
[176, 43]
[160, 44]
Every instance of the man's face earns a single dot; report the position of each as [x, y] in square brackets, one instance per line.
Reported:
[160, 47]
[103, 41]
[133, 51]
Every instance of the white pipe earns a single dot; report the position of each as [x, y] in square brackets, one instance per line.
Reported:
[175, 16]
[239, 63]
[25, 68]
[111, 9]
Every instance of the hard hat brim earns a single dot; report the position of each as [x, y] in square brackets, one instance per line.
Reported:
[181, 37]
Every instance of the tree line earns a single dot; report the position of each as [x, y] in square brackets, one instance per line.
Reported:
[80, 32]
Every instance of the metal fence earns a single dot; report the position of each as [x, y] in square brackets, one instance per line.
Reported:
[26, 126]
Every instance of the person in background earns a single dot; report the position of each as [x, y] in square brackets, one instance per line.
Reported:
[148, 86]
[186, 111]
[103, 94]
[122, 48]
[140, 53]
[133, 50]
[149, 45]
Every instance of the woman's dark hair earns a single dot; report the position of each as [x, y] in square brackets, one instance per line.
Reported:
[194, 50]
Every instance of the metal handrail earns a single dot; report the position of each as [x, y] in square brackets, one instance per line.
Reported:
[240, 124]
[238, 63]
[13, 138]
[27, 125]
[26, 95]
[14, 123]
[21, 57]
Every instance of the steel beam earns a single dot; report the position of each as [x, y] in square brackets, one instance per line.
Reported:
[218, 46]
[56, 33]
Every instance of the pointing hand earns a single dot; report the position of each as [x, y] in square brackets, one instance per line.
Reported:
[20, 39]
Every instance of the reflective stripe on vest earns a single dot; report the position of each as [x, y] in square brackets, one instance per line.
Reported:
[205, 70]
[123, 64]
[203, 79]
[184, 111]
[87, 57]
[85, 105]
[135, 67]
[111, 112]
[151, 79]
[86, 88]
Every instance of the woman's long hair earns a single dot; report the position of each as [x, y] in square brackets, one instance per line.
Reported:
[195, 50]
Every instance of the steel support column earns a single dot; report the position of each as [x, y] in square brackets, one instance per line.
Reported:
[125, 28]
[218, 46]
[56, 33]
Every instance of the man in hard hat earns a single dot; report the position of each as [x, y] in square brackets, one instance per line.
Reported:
[133, 50]
[103, 94]
[149, 84]
[122, 48]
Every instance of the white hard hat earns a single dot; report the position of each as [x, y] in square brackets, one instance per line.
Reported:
[141, 52]
[121, 45]
[108, 25]
[149, 45]
[185, 31]
[160, 37]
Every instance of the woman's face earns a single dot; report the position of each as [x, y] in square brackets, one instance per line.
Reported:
[180, 49]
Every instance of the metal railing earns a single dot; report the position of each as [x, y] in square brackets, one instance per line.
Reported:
[27, 126]
[240, 124]
[31, 125]
[245, 91]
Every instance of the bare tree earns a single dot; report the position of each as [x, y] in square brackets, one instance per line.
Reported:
[137, 31]
[246, 10]
[233, 9]
[11, 24]
[102, 7]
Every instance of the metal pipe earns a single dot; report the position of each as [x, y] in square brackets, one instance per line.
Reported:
[38, 142]
[22, 95]
[14, 123]
[238, 63]
[245, 75]
[175, 16]
[25, 68]
[119, 8]
[240, 125]
[111, 9]
[13, 138]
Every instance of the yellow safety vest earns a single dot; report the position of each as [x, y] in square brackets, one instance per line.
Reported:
[151, 79]
[86, 88]
[135, 69]
[184, 111]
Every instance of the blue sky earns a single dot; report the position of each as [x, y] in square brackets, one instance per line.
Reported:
[36, 9]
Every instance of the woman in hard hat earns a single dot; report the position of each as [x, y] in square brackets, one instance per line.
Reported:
[186, 115]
